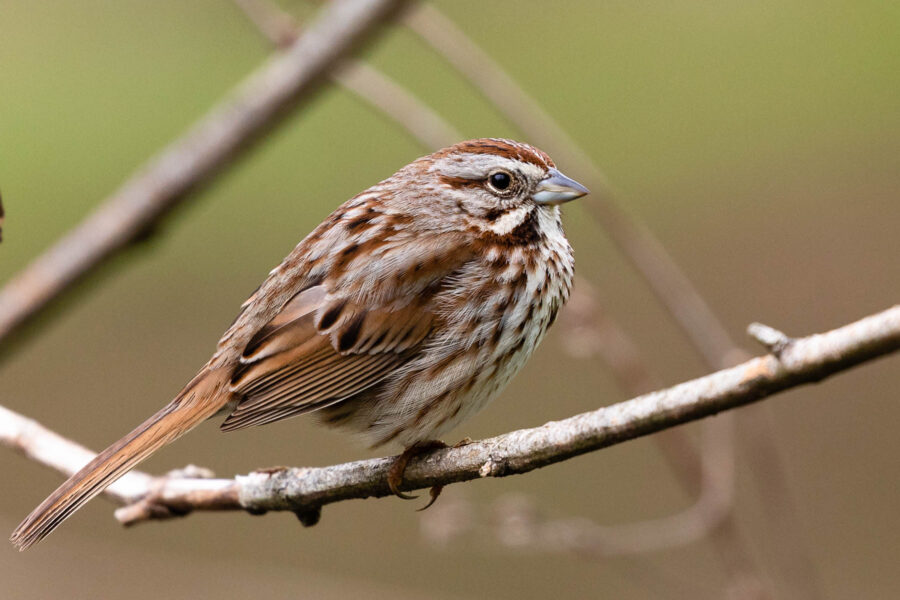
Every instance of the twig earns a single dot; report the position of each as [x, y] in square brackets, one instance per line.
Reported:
[366, 83]
[36, 442]
[774, 341]
[589, 330]
[519, 523]
[808, 359]
[189, 163]
[305, 490]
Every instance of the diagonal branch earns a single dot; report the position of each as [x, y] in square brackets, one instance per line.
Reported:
[35, 442]
[365, 82]
[305, 490]
[186, 165]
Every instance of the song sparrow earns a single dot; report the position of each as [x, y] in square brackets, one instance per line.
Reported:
[401, 315]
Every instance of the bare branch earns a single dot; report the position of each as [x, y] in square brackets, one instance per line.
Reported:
[220, 137]
[365, 82]
[774, 341]
[516, 521]
[588, 330]
[36, 442]
[277, 25]
[305, 490]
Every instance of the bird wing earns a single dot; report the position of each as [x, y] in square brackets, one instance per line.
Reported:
[340, 337]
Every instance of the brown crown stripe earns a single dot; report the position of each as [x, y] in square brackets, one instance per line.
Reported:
[500, 147]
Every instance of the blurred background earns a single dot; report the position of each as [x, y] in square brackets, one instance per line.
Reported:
[759, 141]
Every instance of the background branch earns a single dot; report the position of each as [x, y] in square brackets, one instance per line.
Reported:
[368, 84]
[36, 442]
[517, 521]
[185, 166]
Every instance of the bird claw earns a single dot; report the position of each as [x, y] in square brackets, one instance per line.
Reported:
[434, 492]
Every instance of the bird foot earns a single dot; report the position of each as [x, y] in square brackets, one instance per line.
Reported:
[395, 473]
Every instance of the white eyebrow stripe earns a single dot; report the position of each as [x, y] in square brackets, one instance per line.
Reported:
[479, 166]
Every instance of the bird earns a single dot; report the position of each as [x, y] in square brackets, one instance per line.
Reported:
[401, 315]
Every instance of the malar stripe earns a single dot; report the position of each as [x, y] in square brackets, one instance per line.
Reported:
[526, 233]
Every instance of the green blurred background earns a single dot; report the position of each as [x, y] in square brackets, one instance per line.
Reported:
[759, 140]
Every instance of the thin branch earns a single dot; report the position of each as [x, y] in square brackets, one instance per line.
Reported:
[36, 442]
[587, 330]
[517, 521]
[773, 340]
[220, 137]
[367, 83]
[305, 490]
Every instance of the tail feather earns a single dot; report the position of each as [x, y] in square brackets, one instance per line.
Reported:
[195, 404]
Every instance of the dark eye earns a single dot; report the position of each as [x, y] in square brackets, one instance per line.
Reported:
[500, 180]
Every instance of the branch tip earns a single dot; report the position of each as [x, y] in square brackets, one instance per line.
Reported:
[773, 340]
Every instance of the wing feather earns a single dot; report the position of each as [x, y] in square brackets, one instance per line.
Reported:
[338, 338]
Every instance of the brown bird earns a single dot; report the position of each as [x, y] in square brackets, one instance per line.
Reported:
[401, 315]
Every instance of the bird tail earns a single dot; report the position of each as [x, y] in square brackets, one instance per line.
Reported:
[199, 400]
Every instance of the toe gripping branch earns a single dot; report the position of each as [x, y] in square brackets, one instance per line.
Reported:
[395, 474]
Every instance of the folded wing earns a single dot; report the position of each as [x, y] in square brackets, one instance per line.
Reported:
[324, 347]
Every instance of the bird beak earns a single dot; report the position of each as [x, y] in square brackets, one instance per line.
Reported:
[556, 188]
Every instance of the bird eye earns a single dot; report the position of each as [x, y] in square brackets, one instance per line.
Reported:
[500, 180]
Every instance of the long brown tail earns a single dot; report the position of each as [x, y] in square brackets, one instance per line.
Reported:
[200, 399]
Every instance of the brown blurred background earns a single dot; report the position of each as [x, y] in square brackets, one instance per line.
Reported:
[759, 141]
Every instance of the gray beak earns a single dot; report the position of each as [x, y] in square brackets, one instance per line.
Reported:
[556, 188]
